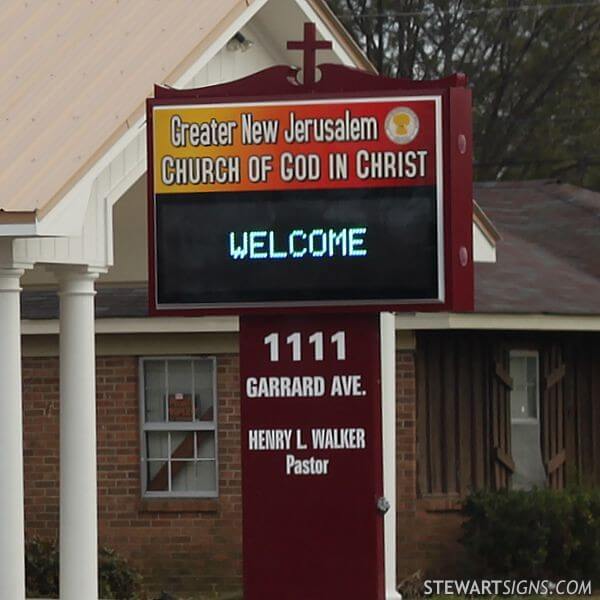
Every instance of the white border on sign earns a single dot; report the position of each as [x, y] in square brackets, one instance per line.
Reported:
[439, 172]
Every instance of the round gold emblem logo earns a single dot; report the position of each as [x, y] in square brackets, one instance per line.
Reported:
[402, 125]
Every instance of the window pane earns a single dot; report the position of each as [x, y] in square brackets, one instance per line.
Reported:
[157, 444]
[525, 427]
[180, 390]
[204, 392]
[194, 476]
[180, 376]
[182, 444]
[523, 396]
[206, 444]
[154, 390]
[206, 475]
[158, 476]
[180, 407]
[532, 386]
[531, 370]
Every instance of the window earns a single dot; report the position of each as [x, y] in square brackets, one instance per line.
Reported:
[179, 427]
[524, 401]
[525, 420]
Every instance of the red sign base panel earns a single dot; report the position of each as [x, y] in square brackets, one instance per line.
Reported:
[311, 457]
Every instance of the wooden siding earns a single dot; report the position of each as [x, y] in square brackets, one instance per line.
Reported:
[500, 386]
[463, 409]
[552, 409]
[582, 415]
[452, 411]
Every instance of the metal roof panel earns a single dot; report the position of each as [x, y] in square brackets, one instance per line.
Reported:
[73, 73]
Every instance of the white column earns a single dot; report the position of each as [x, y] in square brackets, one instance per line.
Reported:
[12, 529]
[388, 408]
[78, 487]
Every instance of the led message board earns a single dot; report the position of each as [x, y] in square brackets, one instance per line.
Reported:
[297, 203]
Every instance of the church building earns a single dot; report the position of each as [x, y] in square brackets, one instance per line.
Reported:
[90, 452]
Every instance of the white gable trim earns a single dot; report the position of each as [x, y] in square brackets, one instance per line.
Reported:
[238, 24]
[68, 220]
[61, 236]
[126, 159]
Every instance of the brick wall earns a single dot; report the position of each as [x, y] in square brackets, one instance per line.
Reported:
[428, 529]
[40, 403]
[179, 546]
[185, 546]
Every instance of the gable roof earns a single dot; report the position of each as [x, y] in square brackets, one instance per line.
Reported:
[548, 255]
[74, 77]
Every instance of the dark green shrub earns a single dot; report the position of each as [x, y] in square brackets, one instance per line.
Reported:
[117, 580]
[535, 534]
[41, 569]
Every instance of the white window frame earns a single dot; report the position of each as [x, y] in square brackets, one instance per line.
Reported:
[529, 354]
[176, 426]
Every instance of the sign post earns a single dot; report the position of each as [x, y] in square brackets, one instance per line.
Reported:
[309, 208]
[311, 457]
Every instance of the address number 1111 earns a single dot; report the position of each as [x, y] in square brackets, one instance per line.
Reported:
[316, 340]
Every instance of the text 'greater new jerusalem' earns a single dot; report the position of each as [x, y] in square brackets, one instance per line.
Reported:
[227, 169]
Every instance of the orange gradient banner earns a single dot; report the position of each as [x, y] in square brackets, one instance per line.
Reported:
[293, 145]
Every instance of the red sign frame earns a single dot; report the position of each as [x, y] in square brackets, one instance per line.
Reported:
[338, 82]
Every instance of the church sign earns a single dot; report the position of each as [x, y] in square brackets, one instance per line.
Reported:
[308, 208]
[295, 201]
